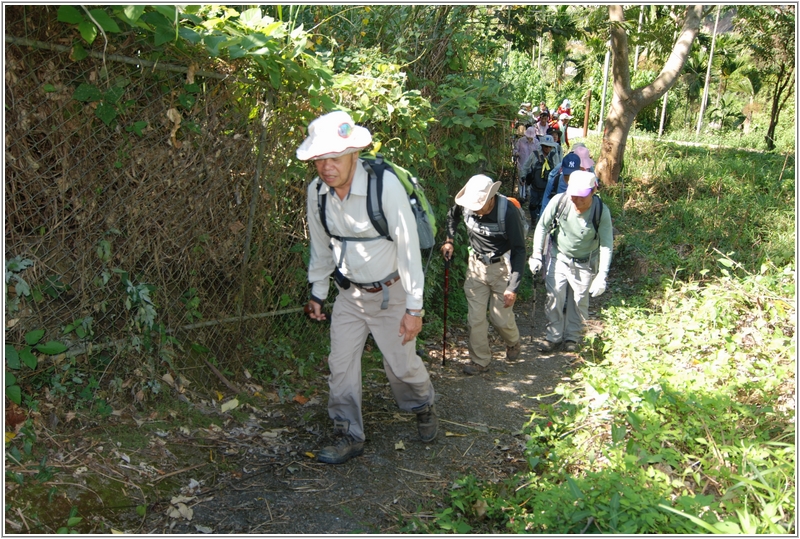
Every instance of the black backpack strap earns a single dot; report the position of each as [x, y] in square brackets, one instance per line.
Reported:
[597, 213]
[321, 204]
[562, 204]
[375, 196]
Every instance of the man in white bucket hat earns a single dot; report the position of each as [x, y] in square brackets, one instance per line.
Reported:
[582, 240]
[496, 263]
[366, 268]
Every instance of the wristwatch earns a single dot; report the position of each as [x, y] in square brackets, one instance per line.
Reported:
[419, 314]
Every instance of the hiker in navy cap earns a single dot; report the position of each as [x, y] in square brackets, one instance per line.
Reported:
[557, 182]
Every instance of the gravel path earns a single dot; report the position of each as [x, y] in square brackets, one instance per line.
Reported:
[274, 486]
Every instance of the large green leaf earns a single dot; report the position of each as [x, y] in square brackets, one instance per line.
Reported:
[28, 358]
[88, 31]
[189, 35]
[106, 112]
[169, 12]
[70, 15]
[87, 93]
[574, 489]
[32, 337]
[213, 43]
[133, 12]
[106, 23]
[12, 357]
[51, 348]
[251, 18]
[14, 393]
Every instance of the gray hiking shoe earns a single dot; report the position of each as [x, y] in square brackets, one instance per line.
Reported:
[549, 347]
[512, 352]
[474, 368]
[571, 346]
[345, 448]
[427, 422]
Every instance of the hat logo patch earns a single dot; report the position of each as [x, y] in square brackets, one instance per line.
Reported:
[345, 130]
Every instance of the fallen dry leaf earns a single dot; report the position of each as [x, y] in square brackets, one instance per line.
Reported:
[480, 507]
[175, 117]
[400, 446]
[230, 405]
[300, 399]
[181, 510]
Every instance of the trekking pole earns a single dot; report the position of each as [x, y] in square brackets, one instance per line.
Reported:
[532, 313]
[444, 316]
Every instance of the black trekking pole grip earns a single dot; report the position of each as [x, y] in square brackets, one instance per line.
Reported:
[444, 316]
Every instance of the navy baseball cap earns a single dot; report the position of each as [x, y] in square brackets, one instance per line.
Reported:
[570, 163]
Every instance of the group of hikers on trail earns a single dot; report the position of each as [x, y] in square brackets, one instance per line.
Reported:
[366, 233]
[539, 149]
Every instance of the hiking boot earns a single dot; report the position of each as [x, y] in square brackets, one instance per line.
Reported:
[571, 346]
[427, 422]
[549, 347]
[512, 352]
[473, 368]
[345, 448]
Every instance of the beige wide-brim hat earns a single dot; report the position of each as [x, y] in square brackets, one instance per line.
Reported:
[477, 192]
[333, 135]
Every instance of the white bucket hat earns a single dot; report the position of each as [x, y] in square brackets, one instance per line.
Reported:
[548, 140]
[333, 135]
[477, 192]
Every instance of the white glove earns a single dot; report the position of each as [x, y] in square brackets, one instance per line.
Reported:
[598, 286]
[535, 264]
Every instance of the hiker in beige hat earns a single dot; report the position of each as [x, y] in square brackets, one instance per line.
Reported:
[496, 263]
[380, 282]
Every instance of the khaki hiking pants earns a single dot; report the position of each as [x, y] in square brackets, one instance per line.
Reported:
[356, 314]
[484, 286]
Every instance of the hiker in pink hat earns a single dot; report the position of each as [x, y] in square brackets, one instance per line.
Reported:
[380, 282]
[579, 226]
[522, 150]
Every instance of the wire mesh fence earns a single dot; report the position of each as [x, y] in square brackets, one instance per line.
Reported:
[145, 222]
[153, 218]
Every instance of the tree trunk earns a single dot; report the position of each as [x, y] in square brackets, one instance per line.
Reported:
[627, 103]
[785, 81]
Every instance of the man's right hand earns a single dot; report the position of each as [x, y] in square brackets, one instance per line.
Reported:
[535, 264]
[447, 250]
[314, 311]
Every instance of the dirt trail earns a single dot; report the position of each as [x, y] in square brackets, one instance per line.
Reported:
[279, 489]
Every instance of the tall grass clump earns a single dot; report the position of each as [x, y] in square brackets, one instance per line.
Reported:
[678, 206]
[680, 414]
